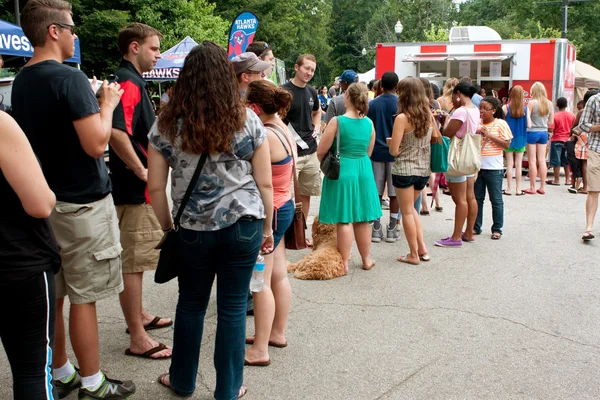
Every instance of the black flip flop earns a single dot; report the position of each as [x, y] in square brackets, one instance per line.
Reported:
[587, 236]
[504, 192]
[521, 194]
[154, 325]
[149, 353]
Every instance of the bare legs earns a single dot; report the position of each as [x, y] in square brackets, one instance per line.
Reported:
[463, 195]
[510, 163]
[458, 191]
[362, 233]
[411, 222]
[591, 207]
[83, 330]
[131, 303]
[542, 168]
[518, 171]
[533, 169]
[271, 306]
[472, 207]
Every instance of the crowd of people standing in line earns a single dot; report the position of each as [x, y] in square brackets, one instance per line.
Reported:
[70, 229]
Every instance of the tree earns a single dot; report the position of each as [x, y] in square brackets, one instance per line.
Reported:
[291, 28]
[517, 19]
[423, 20]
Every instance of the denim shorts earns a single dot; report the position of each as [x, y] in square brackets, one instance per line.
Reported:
[404, 182]
[282, 219]
[558, 154]
[537, 137]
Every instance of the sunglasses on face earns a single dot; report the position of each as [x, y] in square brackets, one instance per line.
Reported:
[64, 26]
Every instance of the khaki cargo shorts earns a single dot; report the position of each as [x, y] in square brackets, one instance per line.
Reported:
[308, 172]
[140, 233]
[593, 171]
[88, 238]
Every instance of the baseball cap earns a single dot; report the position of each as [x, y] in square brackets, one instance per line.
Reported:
[248, 62]
[349, 76]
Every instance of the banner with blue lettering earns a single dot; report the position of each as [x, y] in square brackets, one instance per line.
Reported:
[13, 42]
[242, 32]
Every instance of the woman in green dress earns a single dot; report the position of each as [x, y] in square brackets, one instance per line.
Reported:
[351, 201]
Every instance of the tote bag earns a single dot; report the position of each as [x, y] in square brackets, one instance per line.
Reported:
[464, 155]
[439, 155]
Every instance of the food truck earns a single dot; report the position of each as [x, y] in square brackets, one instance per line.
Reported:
[493, 63]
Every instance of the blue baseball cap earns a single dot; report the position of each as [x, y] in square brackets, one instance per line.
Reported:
[349, 76]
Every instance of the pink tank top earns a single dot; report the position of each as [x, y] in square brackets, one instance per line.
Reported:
[282, 176]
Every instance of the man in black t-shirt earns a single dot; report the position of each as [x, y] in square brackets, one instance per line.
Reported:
[139, 45]
[304, 119]
[69, 131]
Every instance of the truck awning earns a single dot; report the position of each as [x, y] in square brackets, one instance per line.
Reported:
[457, 57]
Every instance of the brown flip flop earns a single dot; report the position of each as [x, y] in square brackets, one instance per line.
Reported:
[250, 340]
[257, 363]
[154, 325]
[149, 353]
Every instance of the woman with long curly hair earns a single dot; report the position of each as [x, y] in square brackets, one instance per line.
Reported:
[351, 201]
[540, 115]
[227, 220]
[410, 145]
[272, 304]
[516, 118]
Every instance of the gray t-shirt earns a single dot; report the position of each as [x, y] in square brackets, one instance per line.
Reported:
[336, 108]
[226, 190]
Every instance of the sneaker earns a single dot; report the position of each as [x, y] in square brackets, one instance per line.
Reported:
[448, 242]
[377, 234]
[109, 389]
[65, 388]
[392, 234]
[385, 204]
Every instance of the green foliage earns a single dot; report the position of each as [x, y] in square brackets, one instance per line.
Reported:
[436, 34]
[291, 28]
[530, 19]
[423, 20]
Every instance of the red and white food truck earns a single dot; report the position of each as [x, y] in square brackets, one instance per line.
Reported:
[480, 53]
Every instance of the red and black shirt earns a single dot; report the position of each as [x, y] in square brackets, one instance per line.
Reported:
[134, 115]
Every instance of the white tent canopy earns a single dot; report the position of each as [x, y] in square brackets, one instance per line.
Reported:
[367, 76]
[586, 75]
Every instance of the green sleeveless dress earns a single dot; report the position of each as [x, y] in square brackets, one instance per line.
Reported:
[353, 197]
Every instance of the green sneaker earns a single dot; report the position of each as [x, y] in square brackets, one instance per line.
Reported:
[65, 388]
[108, 389]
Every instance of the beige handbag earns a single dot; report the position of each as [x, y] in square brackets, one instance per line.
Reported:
[464, 156]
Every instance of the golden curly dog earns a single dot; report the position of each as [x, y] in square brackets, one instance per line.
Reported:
[325, 261]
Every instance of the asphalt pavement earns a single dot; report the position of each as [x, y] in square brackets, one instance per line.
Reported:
[517, 318]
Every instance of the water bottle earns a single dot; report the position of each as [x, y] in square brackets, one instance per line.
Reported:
[258, 275]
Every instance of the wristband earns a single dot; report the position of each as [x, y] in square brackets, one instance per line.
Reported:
[267, 236]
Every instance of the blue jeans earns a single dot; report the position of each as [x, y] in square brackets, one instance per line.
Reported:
[492, 180]
[230, 255]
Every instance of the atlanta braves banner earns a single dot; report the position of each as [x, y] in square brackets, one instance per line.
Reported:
[242, 32]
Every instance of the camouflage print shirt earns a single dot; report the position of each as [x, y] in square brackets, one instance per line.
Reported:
[226, 190]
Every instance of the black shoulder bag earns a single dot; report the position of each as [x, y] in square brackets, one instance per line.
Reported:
[167, 261]
[331, 163]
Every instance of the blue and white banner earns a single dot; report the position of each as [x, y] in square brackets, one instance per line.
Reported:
[242, 32]
[13, 42]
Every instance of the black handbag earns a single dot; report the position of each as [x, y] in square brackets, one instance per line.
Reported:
[331, 163]
[167, 261]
